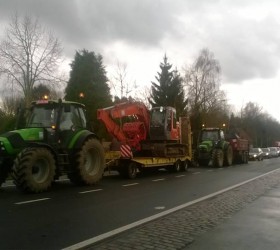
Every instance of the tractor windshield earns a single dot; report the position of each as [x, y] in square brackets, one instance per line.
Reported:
[42, 116]
[212, 135]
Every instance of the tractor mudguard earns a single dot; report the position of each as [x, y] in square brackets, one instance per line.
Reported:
[79, 138]
[43, 145]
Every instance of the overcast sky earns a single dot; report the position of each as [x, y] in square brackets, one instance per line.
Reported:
[244, 36]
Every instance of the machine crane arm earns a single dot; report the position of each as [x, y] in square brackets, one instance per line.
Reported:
[131, 132]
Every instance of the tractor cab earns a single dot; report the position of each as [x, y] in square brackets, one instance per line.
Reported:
[56, 115]
[211, 134]
[210, 138]
[59, 120]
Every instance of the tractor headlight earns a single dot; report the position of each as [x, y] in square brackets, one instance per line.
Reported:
[2, 146]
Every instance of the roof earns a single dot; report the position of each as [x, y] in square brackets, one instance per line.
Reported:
[57, 102]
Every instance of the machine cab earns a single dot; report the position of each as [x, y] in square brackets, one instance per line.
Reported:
[163, 124]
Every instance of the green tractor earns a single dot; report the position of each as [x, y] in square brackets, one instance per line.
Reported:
[54, 141]
[213, 149]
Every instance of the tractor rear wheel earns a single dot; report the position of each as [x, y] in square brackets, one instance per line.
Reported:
[218, 158]
[34, 170]
[88, 164]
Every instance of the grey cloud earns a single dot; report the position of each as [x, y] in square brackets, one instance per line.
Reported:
[97, 23]
[249, 50]
[245, 48]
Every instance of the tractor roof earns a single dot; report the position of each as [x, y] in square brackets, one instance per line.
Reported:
[211, 129]
[57, 102]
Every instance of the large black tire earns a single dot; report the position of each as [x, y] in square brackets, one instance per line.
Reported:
[176, 167]
[88, 163]
[132, 170]
[184, 165]
[34, 170]
[228, 156]
[218, 158]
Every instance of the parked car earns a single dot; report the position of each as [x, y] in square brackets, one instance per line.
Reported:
[255, 154]
[266, 153]
[273, 152]
[278, 150]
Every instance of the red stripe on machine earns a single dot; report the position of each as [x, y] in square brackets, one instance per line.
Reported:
[126, 151]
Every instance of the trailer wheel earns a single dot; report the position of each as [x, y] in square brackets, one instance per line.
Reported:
[132, 170]
[177, 166]
[88, 164]
[184, 165]
[228, 156]
[218, 158]
[34, 170]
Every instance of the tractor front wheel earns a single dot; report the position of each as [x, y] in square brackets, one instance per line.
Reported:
[88, 164]
[34, 170]
[228, 156]
[218, 158]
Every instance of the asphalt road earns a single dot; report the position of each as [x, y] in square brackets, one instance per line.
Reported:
[68, 214]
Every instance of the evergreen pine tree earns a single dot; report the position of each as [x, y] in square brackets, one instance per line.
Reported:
[169, 90]
[88, 84]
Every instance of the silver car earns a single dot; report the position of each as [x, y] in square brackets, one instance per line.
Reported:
[273, 152]
[266, 153]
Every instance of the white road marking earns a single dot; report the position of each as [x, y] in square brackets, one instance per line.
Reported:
[179, 176]
[130, 184]
[156, 216]
[31, 201]
[90, 191]
[155, 180]
[196, 173]
[160, 208]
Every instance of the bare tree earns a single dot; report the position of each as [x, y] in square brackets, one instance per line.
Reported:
[120, 82]
[29, 54]
[10, 104]
[202, 82]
